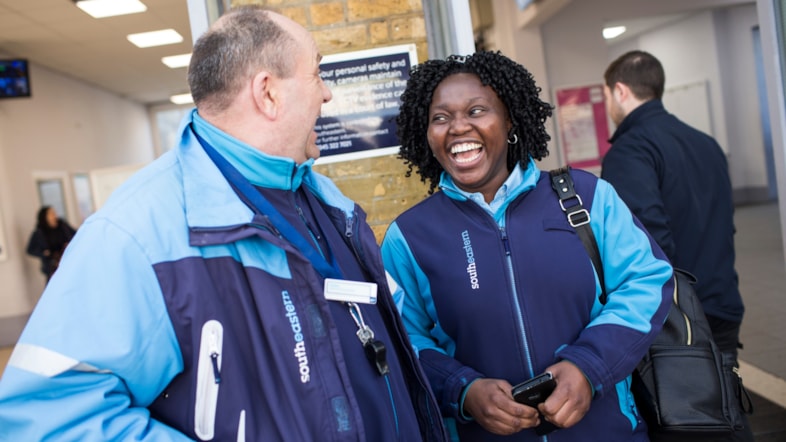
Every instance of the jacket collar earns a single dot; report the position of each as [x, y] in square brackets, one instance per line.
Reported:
[257, 167]
[519, 181]
[644, 111]
[209, 199]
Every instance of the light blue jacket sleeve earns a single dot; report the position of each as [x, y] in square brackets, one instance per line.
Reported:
[97, 350]
[448, 378]
[639, 286]
[414, 297]
[636, 270]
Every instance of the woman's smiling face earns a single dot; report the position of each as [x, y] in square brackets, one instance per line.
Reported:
[468, 132]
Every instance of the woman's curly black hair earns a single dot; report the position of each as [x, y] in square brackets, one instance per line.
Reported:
[513, 84]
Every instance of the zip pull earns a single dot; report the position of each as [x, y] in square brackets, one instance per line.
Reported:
[213, 348]
[216, 373]
[348, 228]
[505, 241]
[311, 230]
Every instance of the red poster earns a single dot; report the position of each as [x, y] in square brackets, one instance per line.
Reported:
[583, 125]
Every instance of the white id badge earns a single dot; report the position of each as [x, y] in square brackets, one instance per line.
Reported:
[350, 291]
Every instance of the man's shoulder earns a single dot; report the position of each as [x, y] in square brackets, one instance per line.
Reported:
[660, 138]
[148, 200]
[648, 137]
[157, 177]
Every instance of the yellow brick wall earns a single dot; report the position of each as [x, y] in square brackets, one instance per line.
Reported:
[378, 184]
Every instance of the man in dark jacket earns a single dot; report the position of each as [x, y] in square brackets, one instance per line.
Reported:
[675, 179]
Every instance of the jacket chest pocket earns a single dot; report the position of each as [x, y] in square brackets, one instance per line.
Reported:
[208, 379]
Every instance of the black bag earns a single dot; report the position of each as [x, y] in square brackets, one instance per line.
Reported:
[684, 384]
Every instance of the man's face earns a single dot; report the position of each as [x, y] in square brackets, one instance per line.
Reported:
[613, 107]
[304, 93]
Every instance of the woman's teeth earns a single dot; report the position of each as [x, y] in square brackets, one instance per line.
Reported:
[459, 149]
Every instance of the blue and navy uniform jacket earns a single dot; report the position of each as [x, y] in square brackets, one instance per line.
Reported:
[676, 181]
[506, 289]
[178, 313]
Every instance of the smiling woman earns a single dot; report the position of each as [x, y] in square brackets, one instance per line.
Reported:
[502, 92]
[484, 302]
[467, 133]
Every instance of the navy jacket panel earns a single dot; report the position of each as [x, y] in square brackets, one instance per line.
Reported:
[675, 179]
[255, 331]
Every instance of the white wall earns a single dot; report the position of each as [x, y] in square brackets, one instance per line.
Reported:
[747, 159]
[66, 127]
[715, 45]
[773, 48]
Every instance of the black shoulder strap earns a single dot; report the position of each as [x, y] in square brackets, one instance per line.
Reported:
[579, 218]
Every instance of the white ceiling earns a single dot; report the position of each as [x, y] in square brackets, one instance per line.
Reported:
[636, 26]
[59, 36]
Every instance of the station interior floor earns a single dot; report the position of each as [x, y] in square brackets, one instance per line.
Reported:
[762, 274]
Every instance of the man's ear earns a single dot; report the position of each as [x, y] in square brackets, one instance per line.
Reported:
[621, 92]
[264, 93]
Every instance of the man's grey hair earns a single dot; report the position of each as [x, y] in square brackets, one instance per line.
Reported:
[241, 43]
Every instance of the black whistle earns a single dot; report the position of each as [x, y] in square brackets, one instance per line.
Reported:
[376, 353]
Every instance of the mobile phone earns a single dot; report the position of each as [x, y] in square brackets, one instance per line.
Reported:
[535, 390]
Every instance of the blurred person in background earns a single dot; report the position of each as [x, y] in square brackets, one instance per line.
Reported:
[49, 239]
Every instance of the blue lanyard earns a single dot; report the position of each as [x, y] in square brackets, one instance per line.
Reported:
[373, 348]
[259, 204]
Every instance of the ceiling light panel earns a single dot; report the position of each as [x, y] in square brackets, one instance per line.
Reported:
[110, 8]
[181, 99]
[155, 38]
[613, 32]
[177, 61]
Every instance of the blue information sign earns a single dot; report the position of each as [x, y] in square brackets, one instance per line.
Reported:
[366, 86]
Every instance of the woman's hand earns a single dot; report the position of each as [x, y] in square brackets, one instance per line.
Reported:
[570, 401]
[490, 403]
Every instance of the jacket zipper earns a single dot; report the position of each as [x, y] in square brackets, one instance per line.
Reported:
[350, 237]
[514, 295]
[208, 379]
[517, 304]
[355, 247]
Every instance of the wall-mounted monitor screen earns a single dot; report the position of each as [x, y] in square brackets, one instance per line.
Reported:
[14, 78]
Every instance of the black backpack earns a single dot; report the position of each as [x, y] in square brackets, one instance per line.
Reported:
[684, 384]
